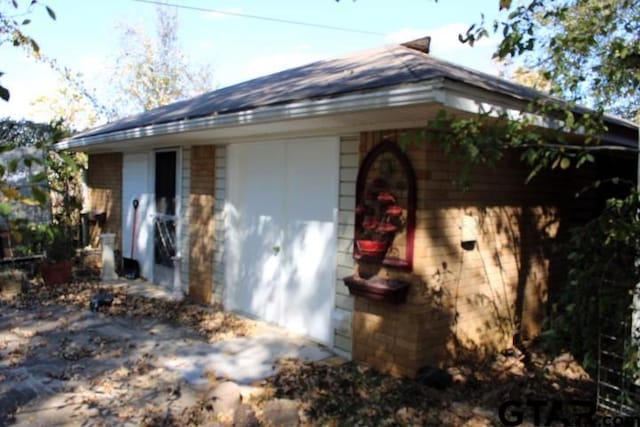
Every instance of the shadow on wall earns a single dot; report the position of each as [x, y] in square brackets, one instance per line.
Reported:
[469, 301]
[102, 202]
[499, 287]
[500, 290]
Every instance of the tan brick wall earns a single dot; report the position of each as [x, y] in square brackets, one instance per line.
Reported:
[463, 301]
[202, 223]
[104, 180]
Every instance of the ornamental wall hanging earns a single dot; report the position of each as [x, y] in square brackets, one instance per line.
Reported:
[385, 208]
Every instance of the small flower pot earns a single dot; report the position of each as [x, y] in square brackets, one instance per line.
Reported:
[372, 248]
[56, 273]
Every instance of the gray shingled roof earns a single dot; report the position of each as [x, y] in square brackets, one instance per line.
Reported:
[365, 71]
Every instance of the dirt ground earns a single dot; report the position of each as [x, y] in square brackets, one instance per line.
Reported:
[143, 361]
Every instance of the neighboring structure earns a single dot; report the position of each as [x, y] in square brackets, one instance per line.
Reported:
[22, 180]
[262, 188]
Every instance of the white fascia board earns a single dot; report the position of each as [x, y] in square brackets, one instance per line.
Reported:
[426, 92]
[469, 99]
[462, 97]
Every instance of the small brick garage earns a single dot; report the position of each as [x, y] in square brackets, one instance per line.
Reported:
[267, 192]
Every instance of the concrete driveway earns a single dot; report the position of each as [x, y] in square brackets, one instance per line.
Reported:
[66, 365]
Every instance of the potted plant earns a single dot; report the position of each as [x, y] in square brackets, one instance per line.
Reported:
[379, 218]
[59, 252]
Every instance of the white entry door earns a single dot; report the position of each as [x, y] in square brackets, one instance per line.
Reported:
[152, 179]
[135, 186]
[281, 242]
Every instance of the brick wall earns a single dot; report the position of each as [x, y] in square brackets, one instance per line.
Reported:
[202, 223]
[465, 300]
[104, 180]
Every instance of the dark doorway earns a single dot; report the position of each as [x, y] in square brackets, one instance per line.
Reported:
[164, 226]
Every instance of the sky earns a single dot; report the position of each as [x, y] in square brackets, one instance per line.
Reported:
[85, 38]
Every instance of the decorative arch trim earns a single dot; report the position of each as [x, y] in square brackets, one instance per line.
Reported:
[386, 198]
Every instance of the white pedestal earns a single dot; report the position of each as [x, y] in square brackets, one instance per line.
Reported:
[177, 293]
[108, 241]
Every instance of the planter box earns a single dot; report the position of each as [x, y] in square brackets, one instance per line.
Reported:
[378, 289]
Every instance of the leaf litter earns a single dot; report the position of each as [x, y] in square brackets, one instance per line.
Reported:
[332, 394]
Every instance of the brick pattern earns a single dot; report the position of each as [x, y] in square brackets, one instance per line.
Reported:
[345, 263]
[219, 233]
[202, 223]
[466, 299]
[104, 181]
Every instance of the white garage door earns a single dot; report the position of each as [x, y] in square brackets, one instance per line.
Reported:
[281, 241]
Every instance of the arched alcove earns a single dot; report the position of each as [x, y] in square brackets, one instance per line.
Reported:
[385, 207]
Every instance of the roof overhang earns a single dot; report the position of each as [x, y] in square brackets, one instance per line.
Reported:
[405, 104]
[386, 108]
[470, 99]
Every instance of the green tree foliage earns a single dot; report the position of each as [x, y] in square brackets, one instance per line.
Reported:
[14, 18]
[22, 145]
[588, 51]
[65, 172]
[597, 295]
[34, 173]
[34, 177]
[40, 187]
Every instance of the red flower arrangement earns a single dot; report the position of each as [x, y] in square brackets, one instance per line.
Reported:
[370, 223]
[386, 197]
[394, 210]
[378, 219]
